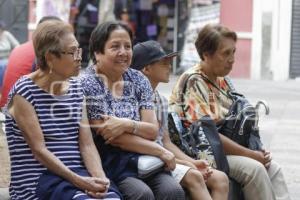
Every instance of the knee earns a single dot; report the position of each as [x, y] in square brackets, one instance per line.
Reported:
[256, 172]
[220, 181]
[193, 179]
[259, 169]
[170, 191]
[144, 193]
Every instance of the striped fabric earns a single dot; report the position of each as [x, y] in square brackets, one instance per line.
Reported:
[59, 118]
[82, 196]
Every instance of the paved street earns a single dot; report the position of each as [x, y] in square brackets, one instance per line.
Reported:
[280, 130]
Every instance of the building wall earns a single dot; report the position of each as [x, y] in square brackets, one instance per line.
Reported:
[238, 15]
[281, 39]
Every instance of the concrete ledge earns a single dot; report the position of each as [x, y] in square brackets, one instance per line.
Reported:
[4, 194]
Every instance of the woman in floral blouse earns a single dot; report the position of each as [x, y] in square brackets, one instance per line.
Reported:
[121, 111]
[260, 177]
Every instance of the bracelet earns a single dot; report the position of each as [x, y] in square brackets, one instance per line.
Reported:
[135, 127]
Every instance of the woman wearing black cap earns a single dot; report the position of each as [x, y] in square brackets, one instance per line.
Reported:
[121, 110]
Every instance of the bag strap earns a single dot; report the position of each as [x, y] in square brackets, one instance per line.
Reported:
[230, 84]
[183, 84]
[215, 86]
[232, 94]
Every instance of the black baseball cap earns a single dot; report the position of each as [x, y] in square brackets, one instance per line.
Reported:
[148, 52]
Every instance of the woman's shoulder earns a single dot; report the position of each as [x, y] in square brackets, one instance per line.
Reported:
[191, 73]
[135, 75]
[23, 82]
[87, 77]
[137, 78]
[86, 73]
[189, 77]
[24, 86]
[139, 82]
[75, 84]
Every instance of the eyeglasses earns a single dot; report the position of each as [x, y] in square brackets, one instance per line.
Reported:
[76, 54]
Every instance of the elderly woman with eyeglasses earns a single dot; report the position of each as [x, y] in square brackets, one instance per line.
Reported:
[51, 149]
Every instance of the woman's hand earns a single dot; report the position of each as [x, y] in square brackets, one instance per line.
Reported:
[263, 156]
[112, 127]
[267, 158]
[201, 164]
[94, 186]
[204, 168]
[169, 159]
[103, 181]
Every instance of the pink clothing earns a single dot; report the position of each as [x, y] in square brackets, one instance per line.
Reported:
[19, 63]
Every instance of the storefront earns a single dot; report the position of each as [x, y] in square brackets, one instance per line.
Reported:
[201, 13]
[148, 19]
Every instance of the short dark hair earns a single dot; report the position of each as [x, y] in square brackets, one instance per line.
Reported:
[101, 34]
[209, 38]
[48, 38]
[49, 17]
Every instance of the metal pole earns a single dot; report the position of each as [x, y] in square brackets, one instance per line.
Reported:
[176, 13]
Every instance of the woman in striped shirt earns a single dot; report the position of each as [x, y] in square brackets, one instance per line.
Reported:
[52, 152]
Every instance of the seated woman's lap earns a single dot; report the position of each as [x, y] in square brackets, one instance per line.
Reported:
[159, 186]
[134, 188]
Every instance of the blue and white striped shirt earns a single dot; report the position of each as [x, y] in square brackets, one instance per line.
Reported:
[59, 118]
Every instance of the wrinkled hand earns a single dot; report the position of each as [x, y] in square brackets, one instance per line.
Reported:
[201, 164]
[263, 156]
[96, 187]
[267, 158]
[111, 127]
[169, 159]
[204, 168]
[101, 195]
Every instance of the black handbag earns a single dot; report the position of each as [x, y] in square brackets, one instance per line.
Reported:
[188, 140]
[241, 122]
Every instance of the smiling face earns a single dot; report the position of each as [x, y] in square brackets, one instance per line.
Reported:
[117, 52]
[221, 61]
[69, 62]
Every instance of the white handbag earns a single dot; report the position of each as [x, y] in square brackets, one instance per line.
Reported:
[149, 165]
